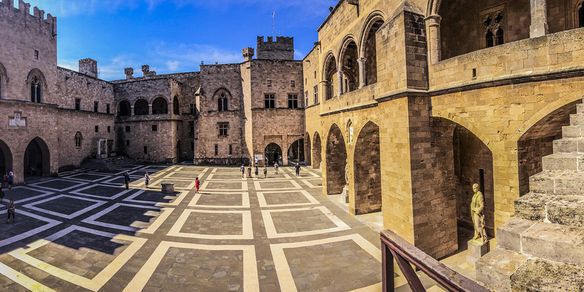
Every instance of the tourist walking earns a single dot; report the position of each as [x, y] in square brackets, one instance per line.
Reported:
[197, 184]
[1, 195]
[242, 168]
[11, 211]
[5, 180]
[297, 167]
[257, 171]
[147, 179]
[10, 180]
[276, 166]
[265, 171]
[249, 171]
[127, 180]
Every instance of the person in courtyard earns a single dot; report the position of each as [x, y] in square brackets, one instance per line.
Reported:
[257, 170]
[242, 168]
[197, 184]
[297, 167]
[265, 171]
[276, 166]
[249, 171]
[147, 179]
[1, 195]
[5, 180]
[127, 180]
[10, 180]
[11, 211]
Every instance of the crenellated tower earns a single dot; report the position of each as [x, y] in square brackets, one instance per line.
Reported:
[280, 49]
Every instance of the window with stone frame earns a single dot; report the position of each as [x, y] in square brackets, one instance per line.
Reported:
[36, 92]
[222, 103]
[223, 129]
[78, 139]
[230, 149]
[316, 95]
[270, 100]
[216, 149]
[107, 109]
[97, 129]
[293, 101]
[493, 22]
[78, 104]
[96, 106]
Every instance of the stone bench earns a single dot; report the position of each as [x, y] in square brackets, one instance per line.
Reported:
[167, 188]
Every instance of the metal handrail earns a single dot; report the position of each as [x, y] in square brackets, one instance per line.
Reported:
[406, 255]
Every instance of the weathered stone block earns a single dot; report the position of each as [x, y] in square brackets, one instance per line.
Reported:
[541, 275]
[496, 268]
[509, 235]
[554, 242]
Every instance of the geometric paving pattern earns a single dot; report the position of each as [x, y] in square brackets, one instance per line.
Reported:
[84, 231]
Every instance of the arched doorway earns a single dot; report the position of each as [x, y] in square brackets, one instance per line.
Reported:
[37, 159]
[5, 158]
[273, 154]
[296, 151]
[316, 151]
[336, 161]
[307, 150]
[368, 171]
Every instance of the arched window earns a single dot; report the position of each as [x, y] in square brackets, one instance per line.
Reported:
[369, 45]
[330, 70]
[3, 80]
[36, 90]
[141, 107]
[124, 108]
[222, 103]
[78, 139]
[159, 106]
[500, 36]
[350, 66]
[175, 106]
[489, 39]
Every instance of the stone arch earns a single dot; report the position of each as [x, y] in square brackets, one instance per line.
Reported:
[369, 46]
[307, 150]
[336, 161]
[463, 159]
[141, 107]
[316, 151]
[160, 106]
[330, 77]
[367, 167]
[222, 96]
[37, 159]
[537, 142]
[5, 158]
[3, 81]
[296, 151]
[273, 154]
[124, 108]
[36, 85]
[349, 64]
[175, 106]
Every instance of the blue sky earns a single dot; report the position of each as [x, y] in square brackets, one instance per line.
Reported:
[175, 35]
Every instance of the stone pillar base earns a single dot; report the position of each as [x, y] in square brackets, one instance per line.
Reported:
[476, 250]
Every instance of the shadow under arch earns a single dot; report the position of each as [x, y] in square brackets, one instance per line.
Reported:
[367, 167]
[336, 161]
[37, 159]
[5, 158]
[307, 150]
[316, 151]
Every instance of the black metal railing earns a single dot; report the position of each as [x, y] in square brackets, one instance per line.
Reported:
[407, 255]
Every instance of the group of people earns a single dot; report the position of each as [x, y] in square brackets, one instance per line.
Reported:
[257, 170]
[147, 181]
[8, 183]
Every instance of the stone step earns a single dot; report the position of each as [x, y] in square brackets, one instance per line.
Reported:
[562, 183]
[542, 275]
[564, 210]
[576, 119]
[569, 145]
[572, 131]
[496, 268]
[548, 241]
[563, 161]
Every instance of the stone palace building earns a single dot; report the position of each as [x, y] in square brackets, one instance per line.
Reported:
[405, 102]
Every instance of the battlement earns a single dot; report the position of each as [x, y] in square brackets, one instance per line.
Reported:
[22, 13]
[280, 49]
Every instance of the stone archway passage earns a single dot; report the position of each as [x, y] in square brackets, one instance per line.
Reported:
[273, 154]
[37, 158]
[296, 151]
[336, 161]
[316, 151]
[307, 150]
[368, 170]
[5, 158]
[159, 106]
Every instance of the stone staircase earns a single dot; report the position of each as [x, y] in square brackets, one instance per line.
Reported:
[542, 247]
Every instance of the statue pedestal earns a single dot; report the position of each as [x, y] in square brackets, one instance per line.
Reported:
[167, 188]
[476, 250]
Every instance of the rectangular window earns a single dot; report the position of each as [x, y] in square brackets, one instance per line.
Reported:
[95, 106]
[270, 100]
[154, 128]
[230, 149]
[145, 149]
[292, 83]
[292, 101]
[192, 127]
[127, 142]
[193, 109]
[223, 129]
[269, 83]
[216, 149]
[109, 129]
[36, 54]
[97, 129]
[77, 104]
[107, 108]
[316, 95]
[127, 129]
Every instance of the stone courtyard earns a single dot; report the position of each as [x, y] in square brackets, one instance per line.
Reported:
[85, 231]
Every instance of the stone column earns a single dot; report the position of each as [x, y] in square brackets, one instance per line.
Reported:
[539, 26]
[362, 61]
[131, 110]
[340, 89]
[433, 28]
